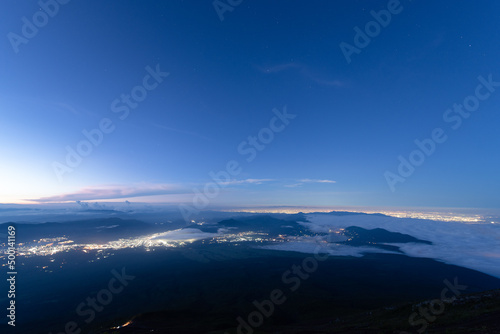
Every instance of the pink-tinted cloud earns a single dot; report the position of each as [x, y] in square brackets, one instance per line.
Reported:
[116, 192]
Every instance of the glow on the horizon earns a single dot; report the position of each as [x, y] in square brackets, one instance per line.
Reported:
[436, 214]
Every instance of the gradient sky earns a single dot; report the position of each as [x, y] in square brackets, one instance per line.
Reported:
[225, 78]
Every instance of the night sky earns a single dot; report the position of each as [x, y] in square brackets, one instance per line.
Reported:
[170, 93]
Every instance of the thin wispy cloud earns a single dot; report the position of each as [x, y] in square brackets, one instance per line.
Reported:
[71, 108]
[317, 181]
[303, 70]
[247, 181]
[278, 68]
[302, 181]
[113, 192]
[116, 192]
[67, 107]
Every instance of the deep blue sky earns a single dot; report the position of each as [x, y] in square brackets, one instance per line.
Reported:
[225, 78]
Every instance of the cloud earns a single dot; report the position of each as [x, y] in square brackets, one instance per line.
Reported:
[301, 182]
[84, 205]
[317, 181]
[186, 234]
[303, 70]
[92, 206]
[68, 107]
[115, 192]
[474, 246]
[247, 181]
[310, 246]
[279, 67]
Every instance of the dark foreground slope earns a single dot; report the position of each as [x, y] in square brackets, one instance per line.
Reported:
[469, 313]
[204, 289]
[372, 294]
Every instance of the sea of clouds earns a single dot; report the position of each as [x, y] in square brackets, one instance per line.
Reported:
[185, 234]
[473, 246]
